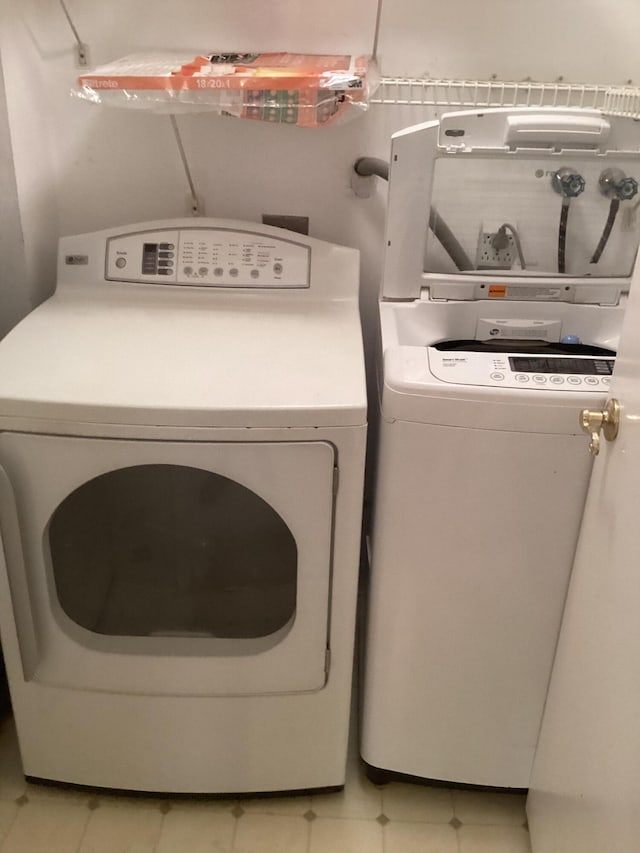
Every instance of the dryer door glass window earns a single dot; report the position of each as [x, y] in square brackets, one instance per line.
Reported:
[172, 551]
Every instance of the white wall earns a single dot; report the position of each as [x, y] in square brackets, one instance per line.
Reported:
[584, 41]
[14, 301]
[81, 167]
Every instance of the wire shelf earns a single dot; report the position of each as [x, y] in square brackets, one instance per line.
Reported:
[431, 92]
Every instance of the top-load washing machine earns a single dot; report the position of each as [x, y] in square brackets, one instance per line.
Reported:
[182, 433]
[510, 243]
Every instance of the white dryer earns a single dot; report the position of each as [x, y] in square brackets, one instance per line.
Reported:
[499, 323]
[182, 434]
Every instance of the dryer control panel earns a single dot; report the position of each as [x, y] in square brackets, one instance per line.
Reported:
[208, 257]
[522, 370]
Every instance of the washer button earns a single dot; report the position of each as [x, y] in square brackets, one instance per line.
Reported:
[255, 273]
[540, 377]
[605, 380]
[166, 247]
[277, 268]
[203, 270]
[574, 380]
[557, 380]
[121, 263]
[187, 270]
[218, 271]
[498, 377]
[522, 377]
[592, 380]
[233, 272]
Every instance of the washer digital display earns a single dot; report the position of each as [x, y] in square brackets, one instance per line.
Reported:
[599, 367]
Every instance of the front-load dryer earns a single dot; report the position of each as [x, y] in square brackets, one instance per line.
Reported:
[182, 433]
[499, 324]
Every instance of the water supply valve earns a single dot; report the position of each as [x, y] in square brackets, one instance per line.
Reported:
[567, 183]
[614, 183]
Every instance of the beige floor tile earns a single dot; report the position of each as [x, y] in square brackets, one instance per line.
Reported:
[494, 839]
[198, 804]
[12, 781]
[196, 830]
[122, 829]
[260, 833]
[47, 826]
[57, 792]
[332, 835]
[486, 808]
[139, 800]
[8, 812]
[277, 805]
[417, 803]
[419, 838]
[360, 799]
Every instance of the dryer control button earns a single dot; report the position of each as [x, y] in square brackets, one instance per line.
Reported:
[557, 380]
[592, 380]
[121, 263]
[522, 377]
[605, 380]
[574, 380]
[540, 378]
[498, 377]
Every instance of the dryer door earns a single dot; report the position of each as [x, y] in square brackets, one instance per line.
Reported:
[176, 568]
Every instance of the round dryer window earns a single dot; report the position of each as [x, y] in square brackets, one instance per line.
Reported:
[166, 550]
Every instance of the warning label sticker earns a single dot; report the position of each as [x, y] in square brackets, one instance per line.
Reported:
[497, 291]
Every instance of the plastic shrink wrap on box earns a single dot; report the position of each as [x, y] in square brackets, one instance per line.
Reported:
[308, 90]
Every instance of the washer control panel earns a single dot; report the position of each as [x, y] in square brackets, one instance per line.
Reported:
[514, 370]
[208, 257]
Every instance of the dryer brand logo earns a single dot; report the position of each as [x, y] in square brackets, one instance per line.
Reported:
[76, 260]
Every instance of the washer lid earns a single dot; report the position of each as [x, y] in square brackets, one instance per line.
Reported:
[185, 359]
[475, 204]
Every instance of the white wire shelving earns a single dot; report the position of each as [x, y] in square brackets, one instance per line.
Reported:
[431, 92]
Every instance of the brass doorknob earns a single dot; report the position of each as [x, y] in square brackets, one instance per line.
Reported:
[606, 420]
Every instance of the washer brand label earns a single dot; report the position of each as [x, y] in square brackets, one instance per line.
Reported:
[76, 260]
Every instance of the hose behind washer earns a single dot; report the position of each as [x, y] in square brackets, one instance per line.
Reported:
[367, 166]
[562, 234]
[614, 207]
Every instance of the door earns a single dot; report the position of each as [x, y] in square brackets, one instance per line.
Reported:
[585, 791]
[166, 567]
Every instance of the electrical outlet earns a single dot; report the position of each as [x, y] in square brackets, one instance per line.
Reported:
[490, 258]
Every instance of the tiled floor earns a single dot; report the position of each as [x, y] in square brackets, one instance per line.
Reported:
[363, 819]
